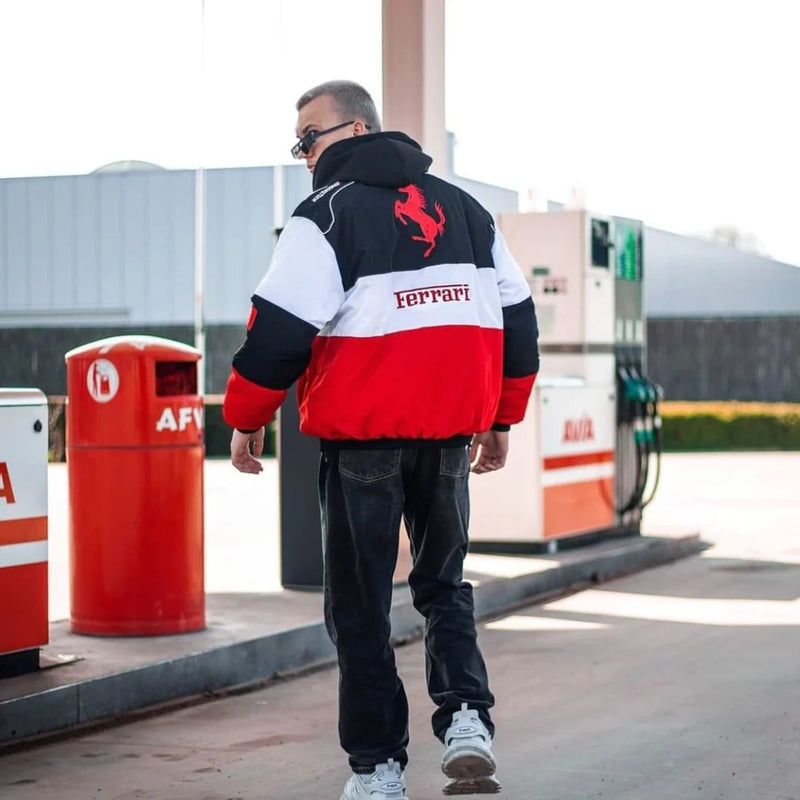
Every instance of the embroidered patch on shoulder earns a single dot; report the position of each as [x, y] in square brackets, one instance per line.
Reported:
[252, 318]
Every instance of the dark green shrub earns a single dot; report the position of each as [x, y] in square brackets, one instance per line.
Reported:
[731, 426]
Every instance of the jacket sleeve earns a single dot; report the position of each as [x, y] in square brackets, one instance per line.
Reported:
[301, 292]
[520, 336]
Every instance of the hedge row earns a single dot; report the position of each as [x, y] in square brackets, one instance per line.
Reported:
[686, 426]
[730, 426]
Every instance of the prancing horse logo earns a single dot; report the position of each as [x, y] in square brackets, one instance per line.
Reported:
[413, 208]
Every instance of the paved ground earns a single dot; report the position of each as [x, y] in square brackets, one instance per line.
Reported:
[252, 633]
[242, 527]
[680, 682]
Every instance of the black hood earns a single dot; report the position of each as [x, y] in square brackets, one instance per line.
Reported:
[388, 159]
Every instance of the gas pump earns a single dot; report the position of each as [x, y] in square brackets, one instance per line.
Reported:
[639, 424]
[579, 464]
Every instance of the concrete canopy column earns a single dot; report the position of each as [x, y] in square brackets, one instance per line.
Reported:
[413, 75]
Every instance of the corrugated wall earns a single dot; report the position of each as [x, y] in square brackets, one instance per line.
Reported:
[726, 359]
[118, 248]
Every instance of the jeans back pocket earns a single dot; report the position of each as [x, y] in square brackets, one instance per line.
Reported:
[454, 462]
[368, 466]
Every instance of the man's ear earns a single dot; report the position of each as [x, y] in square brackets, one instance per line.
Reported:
[359, 128]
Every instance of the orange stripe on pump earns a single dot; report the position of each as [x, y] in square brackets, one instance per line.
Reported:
[577, 507]
[17, 531]
[577, 460]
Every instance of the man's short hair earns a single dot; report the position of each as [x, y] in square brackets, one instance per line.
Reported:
[352, 100]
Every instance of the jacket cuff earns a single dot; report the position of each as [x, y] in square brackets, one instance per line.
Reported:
[514, 397]
[247, 406]
[503, 427]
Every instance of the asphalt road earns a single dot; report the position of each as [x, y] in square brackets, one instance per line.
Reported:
[679, 682]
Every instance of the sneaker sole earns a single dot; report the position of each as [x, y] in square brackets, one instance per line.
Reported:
[404, 797]
[469, 764]
[485, 784]
[345, 797]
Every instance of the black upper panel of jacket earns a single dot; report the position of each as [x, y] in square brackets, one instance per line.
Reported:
[389, 159]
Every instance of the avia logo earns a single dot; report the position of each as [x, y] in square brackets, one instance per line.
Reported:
[6, 489]
[578, 430]
[413, 208]
[447, 293]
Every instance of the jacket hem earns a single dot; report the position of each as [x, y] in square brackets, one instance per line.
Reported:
[391, 444]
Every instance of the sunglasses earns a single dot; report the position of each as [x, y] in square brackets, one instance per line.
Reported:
[305, 143]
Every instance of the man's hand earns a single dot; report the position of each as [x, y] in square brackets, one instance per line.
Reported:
[241, 457]
[491, 449]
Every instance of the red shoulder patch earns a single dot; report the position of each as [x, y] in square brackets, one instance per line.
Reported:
[252, 318]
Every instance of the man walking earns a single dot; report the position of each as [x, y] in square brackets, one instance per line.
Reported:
[395, 304]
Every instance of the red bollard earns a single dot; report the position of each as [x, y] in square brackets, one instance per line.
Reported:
[135, 468]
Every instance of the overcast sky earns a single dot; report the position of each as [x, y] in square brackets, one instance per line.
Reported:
[683, 114]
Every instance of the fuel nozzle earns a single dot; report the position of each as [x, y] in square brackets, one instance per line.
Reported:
[633, 394]
[633, 388]
[655, 396]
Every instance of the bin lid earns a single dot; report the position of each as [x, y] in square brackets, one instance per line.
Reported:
[135, 342]
[22, 397]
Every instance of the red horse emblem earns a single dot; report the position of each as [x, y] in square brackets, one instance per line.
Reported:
[413, 208]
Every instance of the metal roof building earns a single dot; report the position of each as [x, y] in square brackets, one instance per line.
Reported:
[688, 277]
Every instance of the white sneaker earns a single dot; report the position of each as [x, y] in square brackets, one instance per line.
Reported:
[468, 759]
[387, 782]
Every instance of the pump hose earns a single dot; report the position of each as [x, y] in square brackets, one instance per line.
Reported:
[641, 469]
[645, 454]
[641, 411]
[623, 471]
[658, 451]
[629, 414]
[645, 458]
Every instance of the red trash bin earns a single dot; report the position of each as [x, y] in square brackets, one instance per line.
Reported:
[135, 469]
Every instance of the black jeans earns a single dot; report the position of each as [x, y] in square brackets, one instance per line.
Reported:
[363, 496]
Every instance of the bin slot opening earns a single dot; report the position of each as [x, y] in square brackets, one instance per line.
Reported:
[176, 377]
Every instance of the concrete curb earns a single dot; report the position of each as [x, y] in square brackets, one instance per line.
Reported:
[109, 697]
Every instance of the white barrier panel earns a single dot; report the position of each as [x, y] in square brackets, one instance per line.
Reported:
[23, 520]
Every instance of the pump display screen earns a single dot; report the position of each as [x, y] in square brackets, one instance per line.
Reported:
[628, 249]
[601, 243]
